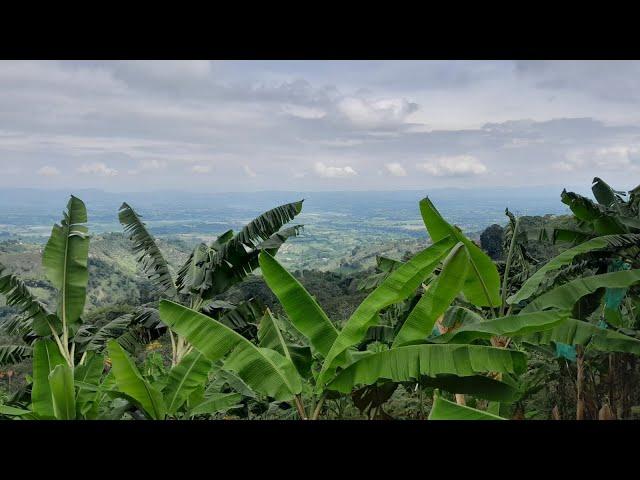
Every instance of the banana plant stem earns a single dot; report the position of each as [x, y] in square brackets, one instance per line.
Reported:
[507, 268]
[316, 412]
[300, 407]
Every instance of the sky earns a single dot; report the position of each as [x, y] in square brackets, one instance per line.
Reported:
[317, 125]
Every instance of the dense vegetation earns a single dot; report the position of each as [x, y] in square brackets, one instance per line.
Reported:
[541, 322]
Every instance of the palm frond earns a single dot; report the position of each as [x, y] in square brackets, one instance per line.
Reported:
[18, 295]
[10, 354]
[151, 258]
[211, 270]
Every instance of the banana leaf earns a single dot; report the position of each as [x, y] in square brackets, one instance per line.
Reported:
[565, 296]
[63, 392]
[302, 309]
[217, 402]
[482, 284]
[513, 325]
[46, 356]
[151, 258]
[396, 287]
[567, 257]
[457, 367]
[65, 261]
[90, 373]
[129, 381]
[576, 332]
[184, 378]
[441, 292]
[443, 409]
[264, 370]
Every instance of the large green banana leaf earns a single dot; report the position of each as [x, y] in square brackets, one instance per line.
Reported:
[513, 325]
[270, 336]
[482, 284]
[264, 370]
[63, 392]
[302, 309]
[586, 210]
[227, 263]
[453, 364]
[577, 332]
[443, 409]
[565, 296]
[14, 411]
[456, 316]
[605, 195]
[65, 261]
[441, 292]
[399, 285]
[151, 258]
[46, 356]
[90, 373]
[215, 403]
[130, 382]
[184, 378]
[566, 258]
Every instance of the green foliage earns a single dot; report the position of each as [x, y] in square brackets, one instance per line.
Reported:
[211, 270]
[65, 261]
[151, 258]
[491, 241]
[457, 367]
[610, 243]
[482, 284]
[401, 283]
[441, 292]
[130, 382]
[304, 312]
[265, 370]
[266, 348]
[445, 410]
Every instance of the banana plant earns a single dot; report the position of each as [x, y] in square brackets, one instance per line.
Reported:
[271, 369]
[595, 279]
[211, 269]
[62, 347]
[54, 351]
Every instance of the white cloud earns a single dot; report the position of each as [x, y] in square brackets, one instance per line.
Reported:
[48, 171]
[396, 169]
[248, 171]
[152, 165]
[458, 165]
[302, 111]
[605, 158]
[148, 165]
[201, 168]
[377, 113]
[564, 166]
[98, 168]
[333, 172]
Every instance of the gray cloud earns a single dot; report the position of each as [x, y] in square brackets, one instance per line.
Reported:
[316, 125]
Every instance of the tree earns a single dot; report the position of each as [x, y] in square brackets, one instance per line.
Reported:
[491, 241]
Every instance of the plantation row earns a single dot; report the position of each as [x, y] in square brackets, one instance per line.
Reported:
[474, 337]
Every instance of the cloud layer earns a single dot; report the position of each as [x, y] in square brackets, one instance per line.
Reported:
[317, 125]
[459, 165]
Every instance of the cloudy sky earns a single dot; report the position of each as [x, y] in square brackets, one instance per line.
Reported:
[317, 125]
